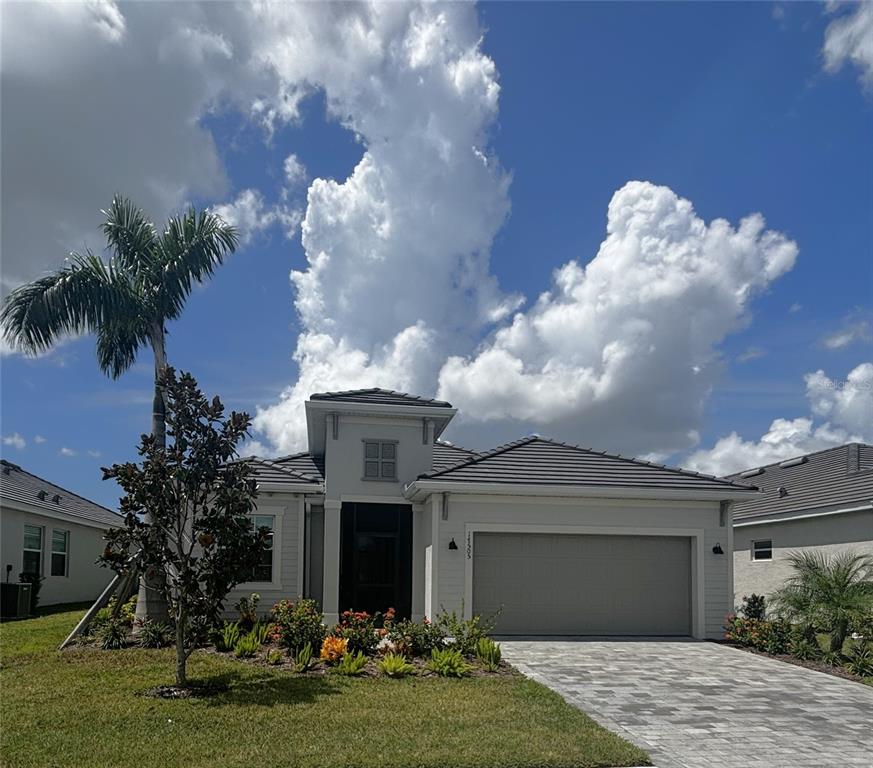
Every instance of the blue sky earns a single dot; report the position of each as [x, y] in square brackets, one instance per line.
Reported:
[730, 106]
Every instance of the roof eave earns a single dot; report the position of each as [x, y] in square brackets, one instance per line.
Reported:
[283, 487]
[418, 490]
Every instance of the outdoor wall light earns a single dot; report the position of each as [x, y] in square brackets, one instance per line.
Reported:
[717, 550]
[452, 544]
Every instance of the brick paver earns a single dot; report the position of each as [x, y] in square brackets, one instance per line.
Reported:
[697, 705]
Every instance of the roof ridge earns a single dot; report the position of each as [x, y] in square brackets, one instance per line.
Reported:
[456, 447]
[380, 390]
[481, 456]
[18, 468]
[270, 463]
[801, 456]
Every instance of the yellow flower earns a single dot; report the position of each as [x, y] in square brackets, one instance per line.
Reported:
[333, 649]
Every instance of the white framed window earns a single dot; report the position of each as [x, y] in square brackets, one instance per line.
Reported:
[263, 572]
[762, 549]
[380, 460]
[31, 559]
[60, 552]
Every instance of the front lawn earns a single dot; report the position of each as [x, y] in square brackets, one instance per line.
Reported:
[81, 708]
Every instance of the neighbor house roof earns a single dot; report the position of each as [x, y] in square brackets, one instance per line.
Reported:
[378, 396]
[841, 476]
[19, 485]
[446, 455]
[276, 473]
[539, 461]
[305, 464]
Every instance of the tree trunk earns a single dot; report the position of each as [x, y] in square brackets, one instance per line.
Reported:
[150, 603]
[181, 657]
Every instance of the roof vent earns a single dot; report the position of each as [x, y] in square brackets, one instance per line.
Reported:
[752, 472]
[794, 462]
[41, 495]
[782, 491]
[56, 498]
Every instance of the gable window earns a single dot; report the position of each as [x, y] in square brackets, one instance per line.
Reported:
[762, 550]
[264, 569]
[60, 550]
[380, 460]
[31, 560]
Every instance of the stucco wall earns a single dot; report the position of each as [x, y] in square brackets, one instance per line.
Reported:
[633, 515]
[287, 558]
[84, 581]
[344, 457]
[828, 534]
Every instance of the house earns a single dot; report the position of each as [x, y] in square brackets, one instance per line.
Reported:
[560, 540]
[821, 502]
[53, 532]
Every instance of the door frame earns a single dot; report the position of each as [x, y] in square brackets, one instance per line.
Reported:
[698, 579]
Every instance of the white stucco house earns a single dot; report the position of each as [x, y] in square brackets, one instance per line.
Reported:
[561, 540]
[48, 530]
[820, 502]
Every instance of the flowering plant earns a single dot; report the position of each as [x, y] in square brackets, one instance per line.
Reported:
[333, 649]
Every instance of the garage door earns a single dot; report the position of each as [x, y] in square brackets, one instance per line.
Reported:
[563, 584]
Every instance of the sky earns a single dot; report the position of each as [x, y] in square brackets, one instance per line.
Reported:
[643, 228]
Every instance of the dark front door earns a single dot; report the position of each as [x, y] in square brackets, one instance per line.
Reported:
[376, 564]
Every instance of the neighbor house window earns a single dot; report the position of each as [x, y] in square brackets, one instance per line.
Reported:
[264, 569]
[60, 550]
[380, 460]
[762, 550]
[32, 557]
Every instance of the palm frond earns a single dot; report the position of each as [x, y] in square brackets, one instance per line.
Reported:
[118, 342]
[188, 251]
[75, 299]
[129, 234]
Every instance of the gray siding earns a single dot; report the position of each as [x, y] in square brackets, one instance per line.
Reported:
[828, 534]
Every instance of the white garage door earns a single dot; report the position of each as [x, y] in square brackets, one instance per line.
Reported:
[566, 584]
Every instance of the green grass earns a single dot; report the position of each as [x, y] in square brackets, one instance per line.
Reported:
[81, 708]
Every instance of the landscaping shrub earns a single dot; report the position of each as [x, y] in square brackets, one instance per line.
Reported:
[465, 633]
[248, 611]
[113, 635]
[859, 660]
[261, 631]
[803, 648]
[247, 646]
[303, 659]
[448, 662]
[753, 607]
[395, 665]
[296, 624]
[227, 637]
[488, 652]
[760, 634]
[154, 634]
[351, 664]
[333, 648]
[413, 639]
[831, 658]
[359, 629]
[126, 614]
[274, 656]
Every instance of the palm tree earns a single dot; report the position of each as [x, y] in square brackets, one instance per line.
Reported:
[127, 300]
[828, 593]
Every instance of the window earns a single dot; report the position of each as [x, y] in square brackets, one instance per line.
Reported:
[60, 549]
[264, 569]
[762, 550]
[380, 460]
[31, 561]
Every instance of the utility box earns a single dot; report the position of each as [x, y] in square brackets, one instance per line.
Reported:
[15, 600]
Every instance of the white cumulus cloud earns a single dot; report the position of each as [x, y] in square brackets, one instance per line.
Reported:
[849, 38]
[841, 411]
[250, 214]
[15, 440]
[68, 452]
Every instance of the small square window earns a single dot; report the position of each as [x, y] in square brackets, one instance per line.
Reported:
[380, 460]
[762, 550]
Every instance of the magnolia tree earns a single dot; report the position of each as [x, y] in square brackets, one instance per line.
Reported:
[198, 502]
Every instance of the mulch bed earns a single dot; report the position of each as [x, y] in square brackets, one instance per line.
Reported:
[812, 664]
[191, 691]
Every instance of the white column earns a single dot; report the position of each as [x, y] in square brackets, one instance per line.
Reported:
[330, 579]
[418, 564]
[436, 513]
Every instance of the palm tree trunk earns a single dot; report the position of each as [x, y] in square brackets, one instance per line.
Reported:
[150, 602]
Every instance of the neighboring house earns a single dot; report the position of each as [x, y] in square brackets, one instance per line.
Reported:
[48, 530]
[561, 540]
[821, 502]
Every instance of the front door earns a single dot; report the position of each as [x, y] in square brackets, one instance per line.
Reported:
[376, 563]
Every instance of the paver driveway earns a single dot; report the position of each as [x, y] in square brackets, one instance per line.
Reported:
[701, 704]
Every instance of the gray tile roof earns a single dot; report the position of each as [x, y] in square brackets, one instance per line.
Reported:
[304, 464]
[816, 480]
[446, 455]
[19, 485]
[538, 461]
[268, 471]
[377, 396]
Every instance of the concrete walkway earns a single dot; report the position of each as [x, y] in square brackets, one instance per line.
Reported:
[702, 705]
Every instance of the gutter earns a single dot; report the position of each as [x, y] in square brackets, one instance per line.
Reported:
[418, 490]
[802, 516]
